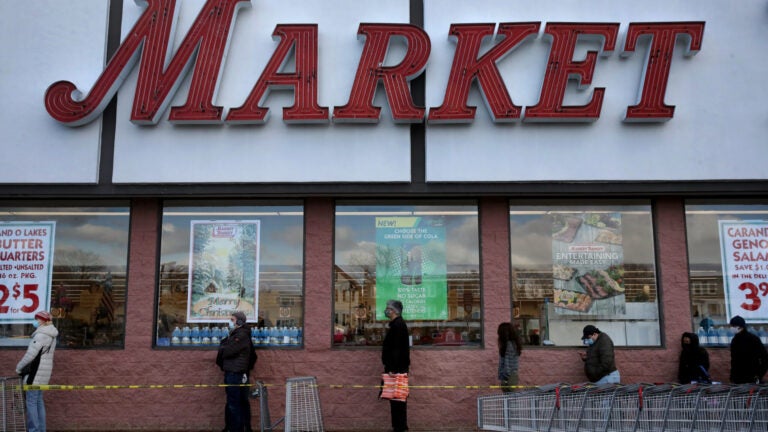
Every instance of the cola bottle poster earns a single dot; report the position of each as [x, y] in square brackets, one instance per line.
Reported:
[26, 265]
[411, 267]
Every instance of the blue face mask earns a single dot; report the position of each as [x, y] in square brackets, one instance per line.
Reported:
[231, 325]
[36, 324]
[588, 341]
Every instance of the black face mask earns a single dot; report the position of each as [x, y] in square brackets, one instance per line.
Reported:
[686, 347]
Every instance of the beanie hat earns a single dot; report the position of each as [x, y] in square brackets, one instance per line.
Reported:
[738, 321]
[43, 315]
[239, 318]
[589, 331]
[396, 306]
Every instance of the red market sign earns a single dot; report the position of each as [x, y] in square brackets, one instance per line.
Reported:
[203, 50]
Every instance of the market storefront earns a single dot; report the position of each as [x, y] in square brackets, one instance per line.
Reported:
[489, 188]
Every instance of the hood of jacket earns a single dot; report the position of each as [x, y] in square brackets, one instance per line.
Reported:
[48, 330]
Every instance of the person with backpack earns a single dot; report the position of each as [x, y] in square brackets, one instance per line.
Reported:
[236, 357]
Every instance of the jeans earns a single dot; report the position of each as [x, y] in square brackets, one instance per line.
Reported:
[612, 378]
[35, 411]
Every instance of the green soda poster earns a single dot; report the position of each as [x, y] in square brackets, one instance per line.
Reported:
[410, 267]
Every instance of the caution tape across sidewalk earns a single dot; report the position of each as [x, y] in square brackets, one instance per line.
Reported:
[200, 386]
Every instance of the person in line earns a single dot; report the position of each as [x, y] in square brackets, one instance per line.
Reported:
[396, 357]
[599, 360]
[43, 344]
[694, 361]
[234, 352]
[749, 359]
[510, 348]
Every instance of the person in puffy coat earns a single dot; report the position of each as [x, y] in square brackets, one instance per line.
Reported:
[599, 360]
[235, 351]
[43, 343]
[694, 361]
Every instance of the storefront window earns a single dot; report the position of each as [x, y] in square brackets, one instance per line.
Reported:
[70, 260]
[574, 265]
[426, 256]
[215, 260]
[728, 268]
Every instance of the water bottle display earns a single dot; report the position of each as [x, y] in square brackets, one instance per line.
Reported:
[195, 336]
[176, 336]
[205, 335]
[186, 336]
[215, 335]
[703, 339]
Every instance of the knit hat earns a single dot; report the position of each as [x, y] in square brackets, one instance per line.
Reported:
[43, 315]
[738, 321]
[396, 306]
[239, 318]
[589, 331]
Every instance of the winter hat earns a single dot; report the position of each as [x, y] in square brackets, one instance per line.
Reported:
[738, 321]
[589, 331]
[396, 306]
[43, 315]
[239, 318]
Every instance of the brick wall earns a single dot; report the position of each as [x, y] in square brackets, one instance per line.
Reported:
[344, 408]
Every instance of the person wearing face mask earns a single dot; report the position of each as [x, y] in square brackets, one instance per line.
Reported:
[694, 361]
[749, 359]
[39, 356]
[599, 361]
[234, 351]
[396, 357]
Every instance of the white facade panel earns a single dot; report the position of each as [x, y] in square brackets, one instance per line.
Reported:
[44, 41]
[720, 121]
[275, 151]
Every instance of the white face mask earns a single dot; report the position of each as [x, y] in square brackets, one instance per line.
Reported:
[588, 341]
[735, 329]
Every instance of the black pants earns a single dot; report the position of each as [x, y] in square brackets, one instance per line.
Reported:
[237, 414]
[399, 412]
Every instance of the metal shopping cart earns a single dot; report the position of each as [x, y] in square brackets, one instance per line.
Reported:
[653, 408]
[741, 411]
[626, 407]
[598, 406]
[13, 404]
[712, 408]
[569, 407]
[302, 406]
[527, 410]
[683, 402]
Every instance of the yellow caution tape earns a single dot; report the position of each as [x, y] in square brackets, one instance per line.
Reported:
[185, 386]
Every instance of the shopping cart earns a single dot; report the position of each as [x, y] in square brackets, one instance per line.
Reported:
[569, 407]
[13, 404]
[683, 401]
[302, 406]
[627, 403]
[712, 408]
[598, 406]
[654, 403]
[741, 410]
[527, 410]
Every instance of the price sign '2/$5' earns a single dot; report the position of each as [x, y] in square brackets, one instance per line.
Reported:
[752, 293]
[27, 292]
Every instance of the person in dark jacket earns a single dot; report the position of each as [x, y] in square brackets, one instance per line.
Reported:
[694, 361]
[235, 351]
[599, 361]
[396, 357]
[749, 359]
[510, 348]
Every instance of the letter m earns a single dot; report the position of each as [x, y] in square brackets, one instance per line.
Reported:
[204, 45]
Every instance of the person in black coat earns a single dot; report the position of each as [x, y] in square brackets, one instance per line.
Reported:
[396, 357]
[235, 351]
[749, 359]
[694, 361]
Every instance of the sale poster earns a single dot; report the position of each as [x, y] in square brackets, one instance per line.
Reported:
[411, 267]
[223, 270]
[744, 248]
[26, 267]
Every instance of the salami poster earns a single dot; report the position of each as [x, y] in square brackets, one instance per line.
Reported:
[744, 246]
[411, 267]
[587, 264]
[223, 270]
[26, 266]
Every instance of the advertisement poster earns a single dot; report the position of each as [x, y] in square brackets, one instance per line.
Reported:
[26, 266]
[410, 267]
[587, 264]
[744, 245]
[223, 270]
